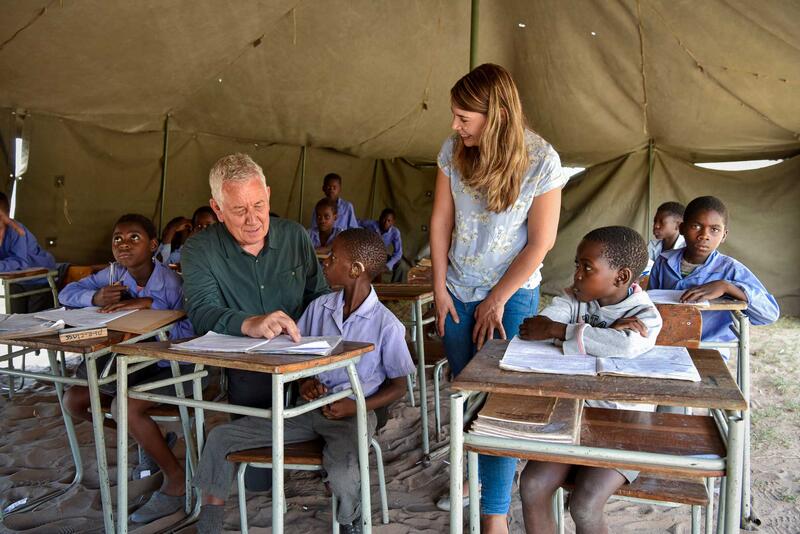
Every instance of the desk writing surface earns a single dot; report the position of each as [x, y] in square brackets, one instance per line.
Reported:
[403, 291]
[724, 303]
[717, 389]
[84, 346]
[145, 321]
[13, 275]
[264, 363]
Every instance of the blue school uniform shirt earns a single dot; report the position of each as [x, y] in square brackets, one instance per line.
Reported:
[168, 256]
[391, 238]
[345, 216]
[761, 305]
[313, 233]
[372, 323]
[163, 286]
[23, 252]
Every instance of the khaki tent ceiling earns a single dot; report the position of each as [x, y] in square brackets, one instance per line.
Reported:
[362, 82]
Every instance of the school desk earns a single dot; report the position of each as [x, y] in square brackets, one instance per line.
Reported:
[419, 295]
[137, 326]
[717, 391]
[282, 368]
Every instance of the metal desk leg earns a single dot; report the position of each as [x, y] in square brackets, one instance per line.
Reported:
[51, 281]
[278, 498]
[100, 442]
[55, 368]
[122, 446]
[733, 472]
[456, 462]
[748, 514]
[474, 494]
[363, 448]
[423, 391]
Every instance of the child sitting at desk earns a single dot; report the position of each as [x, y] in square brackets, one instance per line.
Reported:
[355, 314]
[326, 215]
[390, 234]
[19, 250]
[603, 314]
[135, 281]
[666, 230]
[332, 187]
[707, 274]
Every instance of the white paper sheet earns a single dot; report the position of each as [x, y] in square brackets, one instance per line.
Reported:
[22, 324]
[213, 342]
[308, 345]
[544, 357]
[672, 296]
[84, 317]
[659, 362]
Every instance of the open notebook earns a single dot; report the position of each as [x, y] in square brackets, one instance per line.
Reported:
[27, 324]
[672, 296]
[542, 357]
[84, 317]
[213, 342]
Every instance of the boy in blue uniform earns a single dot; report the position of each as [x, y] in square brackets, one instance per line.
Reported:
[135, 281]
[707, 274]
[346, 215]
[666, 231]
[326, 212]
[355, 314]
[390, 234]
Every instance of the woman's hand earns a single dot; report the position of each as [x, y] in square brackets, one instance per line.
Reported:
[488, 318]
[444, 305]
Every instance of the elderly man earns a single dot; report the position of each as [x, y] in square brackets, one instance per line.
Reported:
[252, 275]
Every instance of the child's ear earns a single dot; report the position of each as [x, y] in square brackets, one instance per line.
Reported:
[624, 277]
[357, 269]
[153, 245]
[724, 236]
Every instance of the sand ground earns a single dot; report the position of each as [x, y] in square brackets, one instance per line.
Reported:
[34, 459]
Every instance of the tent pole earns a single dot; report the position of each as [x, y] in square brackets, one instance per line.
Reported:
[650, 161]
[473, 36]
[163, 176]
[372, 193]
[302, 182]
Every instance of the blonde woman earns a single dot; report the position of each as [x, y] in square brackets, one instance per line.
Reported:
[495, 217]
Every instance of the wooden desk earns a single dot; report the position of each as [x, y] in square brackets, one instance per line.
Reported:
[283, 368]
[27, 275]
[159, 321]
[716, 390]
[419, 295]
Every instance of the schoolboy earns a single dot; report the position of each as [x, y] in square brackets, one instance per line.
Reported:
[666, 230]
[326, 212]
[135, 281]
[355, 314]
[173, 237]
[385, 227]
[604, 313]
[346, 215]
[19, 250]
[202, 218]
[705, 273]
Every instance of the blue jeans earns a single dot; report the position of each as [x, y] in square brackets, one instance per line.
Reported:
[496, 474]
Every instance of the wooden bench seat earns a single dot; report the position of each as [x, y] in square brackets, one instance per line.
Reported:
[303, 453]
[691, 491]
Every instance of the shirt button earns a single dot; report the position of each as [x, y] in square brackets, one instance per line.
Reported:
[262, 287]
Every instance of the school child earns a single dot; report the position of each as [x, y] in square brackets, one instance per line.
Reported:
[706, 274]
[202, 218]
[173, 237]
[19, 250]
[666, 230]
[332, 187]
[604, 313]
[326, 212]
[135, 281]
[385, 227]
[355, 314]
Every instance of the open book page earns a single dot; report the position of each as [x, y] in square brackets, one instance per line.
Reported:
[671, 296]
[27, 324]
[86, 317]
[659, 362]
[516, 409]
[563, 427]
[544, 357]
[321, 345]
[213, 342]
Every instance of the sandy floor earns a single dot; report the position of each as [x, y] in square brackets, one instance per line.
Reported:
[33, 452]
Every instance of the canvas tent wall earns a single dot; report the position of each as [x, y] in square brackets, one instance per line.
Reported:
[363, 86]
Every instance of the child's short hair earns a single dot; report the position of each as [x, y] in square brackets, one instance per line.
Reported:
[386, 212]
[365, 246]
[707, 203]
[200, 211]
[622, 247]
[134, 218]
[332, 177]
[327, 203]
[672, 208]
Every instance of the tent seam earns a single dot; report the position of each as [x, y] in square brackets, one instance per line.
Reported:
[641, 66]
[42, 12]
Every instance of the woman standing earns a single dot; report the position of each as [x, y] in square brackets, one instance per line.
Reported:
[495, 217]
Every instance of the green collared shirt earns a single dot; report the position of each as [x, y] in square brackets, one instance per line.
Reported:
[223, 285]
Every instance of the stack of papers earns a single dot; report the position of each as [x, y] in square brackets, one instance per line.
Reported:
[542, 357]
[83, 317]
[533, 418]
[213, 342]
[672, 296]
[20, 325]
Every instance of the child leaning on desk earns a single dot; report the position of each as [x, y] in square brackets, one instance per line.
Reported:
[604, 313]
[135, 281]
[355, 314]
[707, 274]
